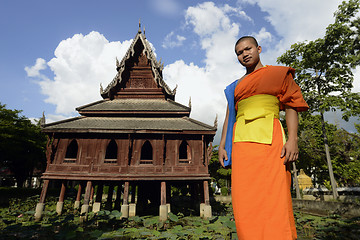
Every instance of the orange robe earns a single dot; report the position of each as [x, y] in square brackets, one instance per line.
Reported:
[260, 181]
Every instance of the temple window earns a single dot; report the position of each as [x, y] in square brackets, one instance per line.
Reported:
[146, 153]
[71, 152]
[184, 152]
[111, 152]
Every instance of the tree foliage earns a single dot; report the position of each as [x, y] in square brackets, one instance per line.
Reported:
[344, 149]
[324, 66]
[324, 70]
[22, 144]
[220, 175]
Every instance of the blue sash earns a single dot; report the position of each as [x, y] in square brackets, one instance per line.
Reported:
[229, 93]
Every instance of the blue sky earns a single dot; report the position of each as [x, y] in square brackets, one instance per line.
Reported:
[55, 54]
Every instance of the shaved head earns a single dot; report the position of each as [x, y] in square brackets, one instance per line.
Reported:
[247, 38]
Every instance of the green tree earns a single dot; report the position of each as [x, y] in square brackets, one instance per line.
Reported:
[324, 70]
[22, 145]
[345, 149]
[220, 175]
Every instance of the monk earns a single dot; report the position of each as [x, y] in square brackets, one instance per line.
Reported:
[253, 143]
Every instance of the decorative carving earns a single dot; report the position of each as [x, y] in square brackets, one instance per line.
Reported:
[216, 121]
[143, 61]
[117, 64]
[42, 120]
[174, 91]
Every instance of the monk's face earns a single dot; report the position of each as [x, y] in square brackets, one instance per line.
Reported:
[248, 53]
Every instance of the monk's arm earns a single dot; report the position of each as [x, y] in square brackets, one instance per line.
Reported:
[222, 152]
[290, 150]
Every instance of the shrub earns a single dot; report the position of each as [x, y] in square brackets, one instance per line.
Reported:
[224, 191]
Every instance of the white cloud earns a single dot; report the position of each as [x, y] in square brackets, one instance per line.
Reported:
[169, 42]
[217, 35]
[80, 64]
[34, 71]
[166, 7]
[207, 18]
[296, 21]
[263, 36]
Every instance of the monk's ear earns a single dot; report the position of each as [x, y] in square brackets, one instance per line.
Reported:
[259, 48]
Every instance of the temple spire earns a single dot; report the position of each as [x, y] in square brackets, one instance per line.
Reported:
[139, 26]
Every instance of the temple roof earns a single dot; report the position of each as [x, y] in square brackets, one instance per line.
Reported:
[134, 107]
[156, 67]
[127, 124]
[137, 100]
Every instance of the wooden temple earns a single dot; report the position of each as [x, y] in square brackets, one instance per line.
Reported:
[136, 139]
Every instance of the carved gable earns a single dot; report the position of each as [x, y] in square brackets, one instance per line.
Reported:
[139, 74]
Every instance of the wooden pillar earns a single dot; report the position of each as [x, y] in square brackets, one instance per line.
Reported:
[60, 203]
[206, 193]
[163, 210]
[98, 198]
[92, 194]
[126, 194]
[205, 208]
[163, 193]
[85, 206]
[125, 206]
[40, 206]
[108, 204]
[78, 197]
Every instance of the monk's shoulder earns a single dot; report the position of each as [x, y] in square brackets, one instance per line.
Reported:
[280, 70]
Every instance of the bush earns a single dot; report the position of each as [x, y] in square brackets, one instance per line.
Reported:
[224, 191]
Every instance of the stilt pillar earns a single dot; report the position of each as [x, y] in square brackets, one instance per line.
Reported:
[85, 206]
[41, 205]
[125, 205]
[98, 198]
[205, 208]
[92, 195]
[78, 198]
[163, 210]
[60, 203]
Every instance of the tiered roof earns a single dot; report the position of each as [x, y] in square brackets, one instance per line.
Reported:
[130, 105]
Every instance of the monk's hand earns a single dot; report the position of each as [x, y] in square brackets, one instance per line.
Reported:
[290, 151]
[222, 156]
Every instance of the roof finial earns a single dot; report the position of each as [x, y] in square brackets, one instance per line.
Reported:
[117, 63]
[139, 26]
[190, 102]
[144, 30]
[42, 120]
[174, 91]
[216, 121]
[101, 89]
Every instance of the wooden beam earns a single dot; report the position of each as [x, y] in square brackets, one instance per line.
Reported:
[87, 193]
[126, 193]
[78, 195]
[44, 191]
[62, 191]
[206, 193]
[163, 193]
